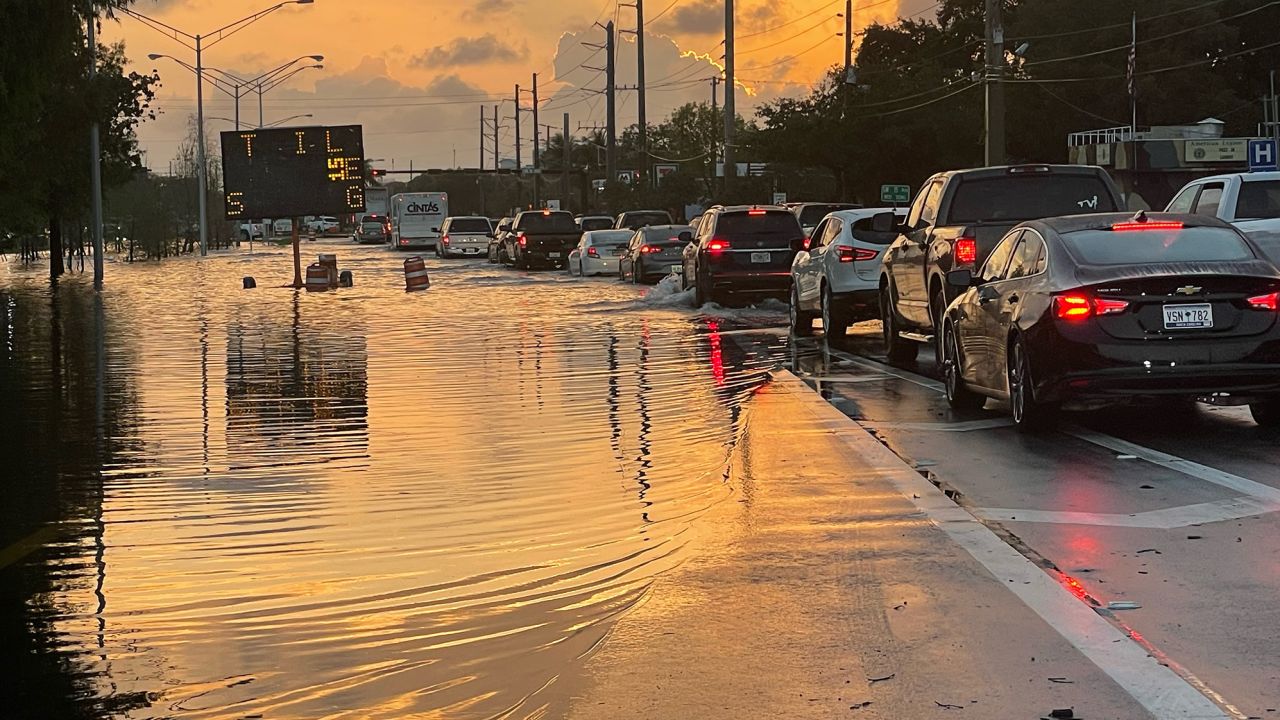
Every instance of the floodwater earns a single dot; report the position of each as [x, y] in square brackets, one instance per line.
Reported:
[222, 503]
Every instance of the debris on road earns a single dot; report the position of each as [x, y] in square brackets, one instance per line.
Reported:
[948, 706]
[1063, 714]
[1061, 681]
[874, 680]
[860, 705]
[1123, 605]
[1149, 550]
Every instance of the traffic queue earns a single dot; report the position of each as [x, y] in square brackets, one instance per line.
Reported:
[1033, 285]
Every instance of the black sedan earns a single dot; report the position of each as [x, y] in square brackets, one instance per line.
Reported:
[654, 252]
[1089, 310]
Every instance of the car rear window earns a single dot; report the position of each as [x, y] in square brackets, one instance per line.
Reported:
[640, 219]
[556, 222]
[1014, 198]
[1258, 200]
[596, 224]
[1141, 247]
[469, 225]
[611, 239]
[811, 215]
[862, 231]
[666, 234]
[777, 229]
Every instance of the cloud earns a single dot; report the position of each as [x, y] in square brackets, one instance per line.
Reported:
[470, 51]
[486, 10]
[704, 17]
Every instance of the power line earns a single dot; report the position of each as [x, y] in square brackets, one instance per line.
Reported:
[806, 31]
[1084, 31]
[789, 22]
[923, 104]
[789, 58]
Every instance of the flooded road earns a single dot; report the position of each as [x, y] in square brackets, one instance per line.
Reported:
[224, 503]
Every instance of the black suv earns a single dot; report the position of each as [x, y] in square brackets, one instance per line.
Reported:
[742, 250]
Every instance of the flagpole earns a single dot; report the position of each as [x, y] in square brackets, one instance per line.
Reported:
[1133, 78]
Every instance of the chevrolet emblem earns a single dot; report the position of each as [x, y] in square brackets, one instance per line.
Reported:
[1189, 290]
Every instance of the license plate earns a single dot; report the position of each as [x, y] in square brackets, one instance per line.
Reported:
[470, 251]
[760, 257]
[555, 255]
[1188, 317]
[675, 269]
[620, 252]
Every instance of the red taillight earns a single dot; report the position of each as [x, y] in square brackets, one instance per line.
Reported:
[647, 249]
[1153, 225]
[1081, 307]
[966, 251]
[1270, 302]
[850, 254]
[717, 246]
[756, 211]
[592, 252]
[445, 239]
[524, 241]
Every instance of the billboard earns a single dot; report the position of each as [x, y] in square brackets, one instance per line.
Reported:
[293, 171]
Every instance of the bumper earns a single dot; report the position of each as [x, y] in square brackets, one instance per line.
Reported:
[600, 266]
[416, 243]
[371, 239]
[465, 250]
[1191, 381]
[748, 282]
[537, 257]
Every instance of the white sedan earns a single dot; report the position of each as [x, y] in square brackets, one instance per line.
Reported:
[837, 276]
[598, 252]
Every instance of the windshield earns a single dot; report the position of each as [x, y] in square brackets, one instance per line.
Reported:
[637, 220]
[1258, 200]
[1140, 247]
[773, 229]
[478, 226]
[811, 215]
[596, 224]
[555, 222]
[1014, 198]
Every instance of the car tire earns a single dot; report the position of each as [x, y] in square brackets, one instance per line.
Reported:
[801, 319]
[1029, 415]
[896, 347]
[1266, 413]
[835, 323]
[959, 396]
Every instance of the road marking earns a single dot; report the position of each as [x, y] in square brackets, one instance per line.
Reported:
[1160, 690]
[910, 377]
[962, 426]
[844, 378]
[1165, 519]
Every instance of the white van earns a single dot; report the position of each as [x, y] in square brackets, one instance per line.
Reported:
[416, 219]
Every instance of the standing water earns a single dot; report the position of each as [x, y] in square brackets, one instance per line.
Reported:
[222, 503]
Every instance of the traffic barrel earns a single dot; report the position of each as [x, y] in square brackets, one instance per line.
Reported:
[415, 275]
[330, 262]
[345, 279]
[249, 282]
[317, 277]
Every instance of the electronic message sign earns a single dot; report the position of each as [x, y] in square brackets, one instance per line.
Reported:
[293, 171]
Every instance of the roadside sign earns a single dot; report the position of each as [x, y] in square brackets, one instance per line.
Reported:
[662, 171]
[1262, 155]
[293, 171]
[553, 204]
[626, 177]
[779, 199]
[1221, 150]
[897, 194]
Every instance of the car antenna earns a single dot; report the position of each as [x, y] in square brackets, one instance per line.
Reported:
[1140, 216]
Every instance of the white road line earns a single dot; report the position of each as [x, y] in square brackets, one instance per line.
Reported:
[1165, 519]
[844, 379]
[963, 426]
[1161, 691]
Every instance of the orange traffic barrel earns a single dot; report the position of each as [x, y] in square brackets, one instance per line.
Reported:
[330, 263]
[415, 275]
[317, 277]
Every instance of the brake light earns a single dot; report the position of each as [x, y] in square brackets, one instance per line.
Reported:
[851, 254]
[650, 249]
[546, 212]
[1081, 307]
[966, 251]
[755, 211]
[592, 252]
[1270, 301]
[524, 241]
[445, 239]
[716, 247]
[1156, 225]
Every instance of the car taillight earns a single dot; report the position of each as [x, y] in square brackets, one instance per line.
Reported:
[850, 254]
[716, 247]
[404, 241]
[1270, 301]
[524, 241]
[650, 249]
[1081, 307]
[445, 239]
[966, 251]
[592, 252]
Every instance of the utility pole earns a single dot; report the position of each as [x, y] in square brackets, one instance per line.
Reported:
[482, 138]
[640, 94]
[715, 83]
[611, 105]
[730, 115]
[848, 38]
[95, 161]
[203, 180]
[496, 162]
[519, 162]
[537, 178]
[995, 143]
[568, 164]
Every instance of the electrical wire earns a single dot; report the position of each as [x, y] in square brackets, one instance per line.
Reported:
[789, 58]
[785, 24]
[665, 10]
[1084, 31]
[923, 104]
[806, 31]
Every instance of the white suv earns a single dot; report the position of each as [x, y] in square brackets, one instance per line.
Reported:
[837, 277]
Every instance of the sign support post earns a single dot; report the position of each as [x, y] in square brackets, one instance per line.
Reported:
[297, 256]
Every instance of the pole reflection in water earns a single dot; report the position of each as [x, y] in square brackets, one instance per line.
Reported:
[385, 503]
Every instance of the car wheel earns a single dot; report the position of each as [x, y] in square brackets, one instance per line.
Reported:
[959, 396]
[1266, 413]
[895, 346]
[834, 322]
[1029, 415]
[801, 319]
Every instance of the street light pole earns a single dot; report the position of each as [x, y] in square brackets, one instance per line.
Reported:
[95, 166]
[200, 172]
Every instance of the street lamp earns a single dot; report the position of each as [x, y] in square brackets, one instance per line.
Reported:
[236, 84]
[275, 79]
[196, 43]
[271, 124]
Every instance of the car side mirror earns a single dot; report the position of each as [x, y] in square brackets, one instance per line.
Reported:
[961, 279]
[885, 222]
[435, 229]
[800, 244]
[504, 228]
[686, 236]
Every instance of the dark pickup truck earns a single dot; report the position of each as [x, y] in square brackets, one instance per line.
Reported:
[956, 220]
[542, 238]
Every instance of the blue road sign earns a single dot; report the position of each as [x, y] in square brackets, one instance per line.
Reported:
[1262, 155]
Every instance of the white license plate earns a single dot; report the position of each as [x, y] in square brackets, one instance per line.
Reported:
[760, 257]
[1188, 317]
[553, 255]
[675, 269]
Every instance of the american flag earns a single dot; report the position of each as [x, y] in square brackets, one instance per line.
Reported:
[1133, 58]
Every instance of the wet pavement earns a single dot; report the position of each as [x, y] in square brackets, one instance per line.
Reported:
[500, 497]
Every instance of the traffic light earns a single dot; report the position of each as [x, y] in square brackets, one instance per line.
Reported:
[378, 172]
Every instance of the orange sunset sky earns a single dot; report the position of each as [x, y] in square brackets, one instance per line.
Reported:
[415, 73]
